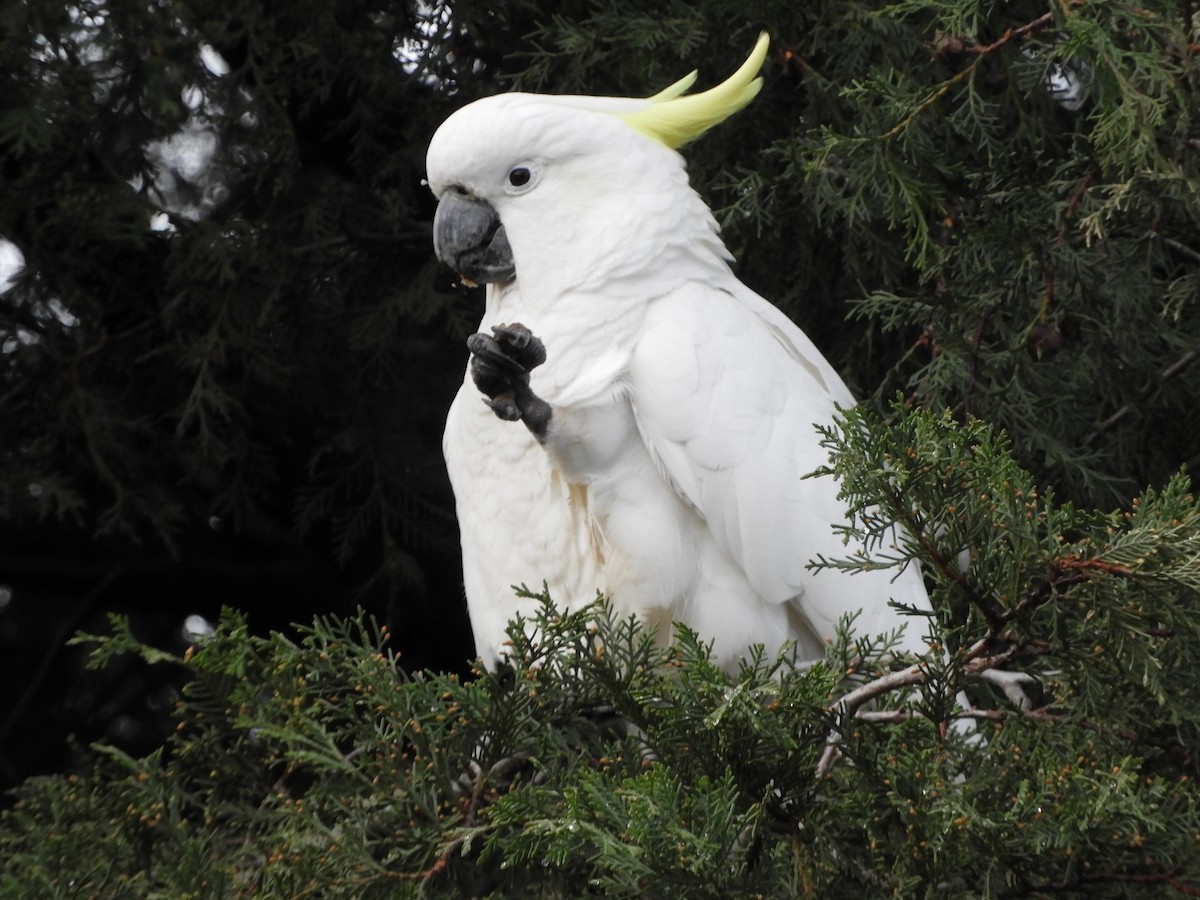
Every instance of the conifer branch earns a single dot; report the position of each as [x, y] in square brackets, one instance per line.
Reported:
[288, 302]
[979, 51]
[1171, 371]
[1182, 249]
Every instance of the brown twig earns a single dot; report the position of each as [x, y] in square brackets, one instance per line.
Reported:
[1074, 563]
[1013, 34]
[1077, 195]
[979, 51]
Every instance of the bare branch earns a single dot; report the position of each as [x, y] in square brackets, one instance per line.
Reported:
[848, 705]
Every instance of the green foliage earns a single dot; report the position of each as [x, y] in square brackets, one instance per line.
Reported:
[1047, 251]
[228, 279]
[276, 354]
[601, 760]
[1090, 600]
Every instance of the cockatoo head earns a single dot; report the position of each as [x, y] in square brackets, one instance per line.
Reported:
[557, 188]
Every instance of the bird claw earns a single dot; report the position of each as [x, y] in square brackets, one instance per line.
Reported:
[504, 406]
[521, 344]
[510, 348]
[488, 355]
[500, 367]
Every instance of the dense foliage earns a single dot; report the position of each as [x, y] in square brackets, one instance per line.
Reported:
[600, 762]
[225, 364]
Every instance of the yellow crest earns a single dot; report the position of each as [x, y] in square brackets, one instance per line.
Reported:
[673, 119]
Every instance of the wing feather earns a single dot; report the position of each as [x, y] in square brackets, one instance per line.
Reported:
[727, 395]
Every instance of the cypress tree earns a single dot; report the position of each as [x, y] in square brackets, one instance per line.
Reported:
[229, 344]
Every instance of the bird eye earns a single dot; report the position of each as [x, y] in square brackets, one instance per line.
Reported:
[519, 176]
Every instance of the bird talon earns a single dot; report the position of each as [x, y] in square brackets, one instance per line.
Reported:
[500, 365]
[519, 343]
[486, 349]
[503, 406]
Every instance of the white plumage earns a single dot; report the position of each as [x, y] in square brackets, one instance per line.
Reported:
[683, 405]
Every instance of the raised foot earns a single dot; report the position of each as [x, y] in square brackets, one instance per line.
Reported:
[500, 367]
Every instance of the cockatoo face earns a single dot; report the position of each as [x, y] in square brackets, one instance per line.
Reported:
[522, 177]
[565, 192]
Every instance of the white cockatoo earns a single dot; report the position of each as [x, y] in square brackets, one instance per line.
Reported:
[647, 418]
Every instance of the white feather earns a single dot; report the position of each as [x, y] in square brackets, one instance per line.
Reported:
[684, 405]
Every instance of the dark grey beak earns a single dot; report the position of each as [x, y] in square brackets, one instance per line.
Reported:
[468, 237]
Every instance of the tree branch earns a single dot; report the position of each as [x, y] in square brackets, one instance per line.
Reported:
[848, 705]
[1165, 375]
[979, 51]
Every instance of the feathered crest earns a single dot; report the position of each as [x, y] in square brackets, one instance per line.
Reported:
[673, 119]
